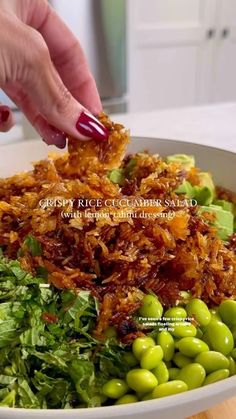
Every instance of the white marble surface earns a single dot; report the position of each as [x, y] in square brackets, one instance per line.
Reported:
[212, 125]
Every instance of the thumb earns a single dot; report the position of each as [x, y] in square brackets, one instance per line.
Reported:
[53, 100]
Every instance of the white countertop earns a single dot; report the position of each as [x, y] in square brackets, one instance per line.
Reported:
[212, 125]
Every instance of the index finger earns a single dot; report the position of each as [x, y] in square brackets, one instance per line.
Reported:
[67, 55]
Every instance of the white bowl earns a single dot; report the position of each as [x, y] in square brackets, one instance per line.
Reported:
[17, 157]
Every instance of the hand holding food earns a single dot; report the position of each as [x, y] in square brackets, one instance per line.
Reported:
[44, 71]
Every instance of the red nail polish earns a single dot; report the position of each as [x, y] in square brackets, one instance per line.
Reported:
[90, 127]
[4, 115]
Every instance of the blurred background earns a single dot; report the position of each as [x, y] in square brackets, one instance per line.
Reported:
[156, 54]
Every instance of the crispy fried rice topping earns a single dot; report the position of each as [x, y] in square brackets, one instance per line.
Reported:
[115, 255]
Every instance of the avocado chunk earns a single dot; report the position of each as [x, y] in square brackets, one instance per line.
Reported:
[224, 220]
[205, 191]
[226, 205]
[186, 188]
[187, 161]
[206, 180]
[203, 195]
[116, 176]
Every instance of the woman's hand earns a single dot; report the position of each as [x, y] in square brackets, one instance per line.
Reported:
[44, 71]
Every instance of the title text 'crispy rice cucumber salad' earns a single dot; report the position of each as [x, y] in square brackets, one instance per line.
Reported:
[117, 278]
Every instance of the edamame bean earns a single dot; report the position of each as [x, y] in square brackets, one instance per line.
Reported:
[227, 310]
[175, 313]
[212, 361]
[115, 388]
[232, 366]
[141, 344]
[141, 380]
[191, 347]
[130, 359]
[184, 297]
[173, 372]
[176, 343]
[216, 376]
[147, 396]
[215, 314]
[233, 331]
[193, 375]
[151, 357]
[161, 373]
[220, 337]
[206, 339]
[183, 329]
[198, 309]
[199, 333]
[128, 398]
[181, 360]
[233, 354]
[151, 307]
[166, 341]
[170, 388]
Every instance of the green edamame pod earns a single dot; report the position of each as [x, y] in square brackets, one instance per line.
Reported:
[191, 346]
[184, 297]
[227, 311]
[232, 366]
[175, 313]
[199, 333]
[128, 398]
[151, 357]
[181, 360]
[233, 354]
[170, 388]
[220, 337]
[193, 375]
[115, 388]
[151, 307]
[215, 314]
[141, 380]
[206, 339]
[173, 372]
[147, 396]
[183, 329]
[198, 309]
[161, 373]
[212, 361]
[166, 341]
[233, 331]
[141, 344]
[216, 376]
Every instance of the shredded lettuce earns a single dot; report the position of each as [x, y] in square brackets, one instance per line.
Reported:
[48, 356]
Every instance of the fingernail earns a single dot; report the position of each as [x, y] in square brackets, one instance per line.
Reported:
[53, 136]
[90, 127]
[61, 144]
[4, 115]
[58, 137]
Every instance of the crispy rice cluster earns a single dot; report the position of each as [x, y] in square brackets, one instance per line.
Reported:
[116, 256]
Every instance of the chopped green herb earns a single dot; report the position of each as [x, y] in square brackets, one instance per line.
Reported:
[48, 356]
[32, 245]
